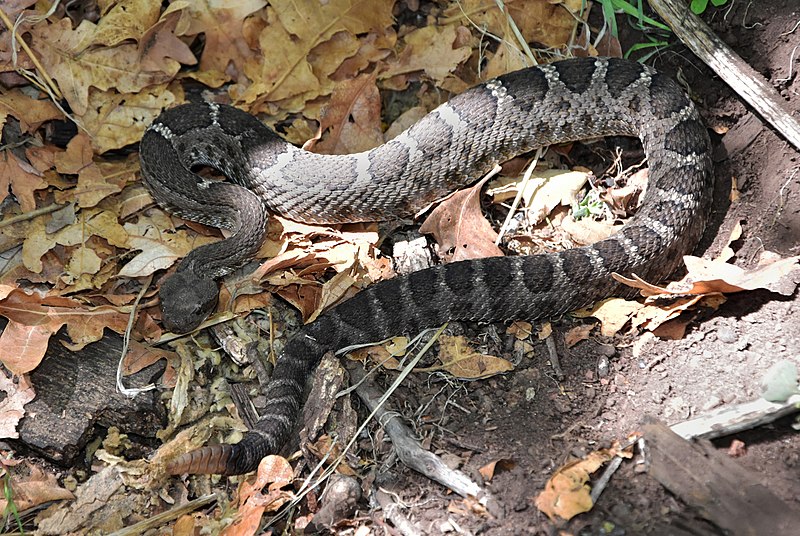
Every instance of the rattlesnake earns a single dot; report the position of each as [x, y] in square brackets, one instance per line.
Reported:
[452, 146]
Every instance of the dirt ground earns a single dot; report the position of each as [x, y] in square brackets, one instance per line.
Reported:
[720, 361]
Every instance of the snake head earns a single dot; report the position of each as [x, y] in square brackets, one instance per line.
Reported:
[187, 300]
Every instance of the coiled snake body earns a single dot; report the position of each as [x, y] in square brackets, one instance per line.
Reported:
[452, 146]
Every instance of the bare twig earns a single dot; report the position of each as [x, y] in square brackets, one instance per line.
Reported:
[406, 445]
[31, 214]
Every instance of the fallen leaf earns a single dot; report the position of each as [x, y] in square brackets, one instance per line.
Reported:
[31, 112]
[68, 57]
[36, 489]
[623, 200]
[274, 473]
[32, 320]
[567, 493]
[710, 276]
[307, 41]
[227, 50]
[545, 331]
[351, 122]
[12, 406]
[115, 120]
[578, 334]
[160, 48]
[460, 229]
[21, 178]
[543, 21]
[520, 330]
[460, 360]
[93, 222]
[497, 466]
[433, 50]
[613, 314]
[161, 246]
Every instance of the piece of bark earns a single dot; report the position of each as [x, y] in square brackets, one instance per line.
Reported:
[75, 391]
[721, 490]
[738, 138]
[339, 501]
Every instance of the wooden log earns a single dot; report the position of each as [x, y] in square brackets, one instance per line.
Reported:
[76, 392]
[716, 486]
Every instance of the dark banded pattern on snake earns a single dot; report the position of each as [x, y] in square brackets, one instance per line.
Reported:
[452, 146]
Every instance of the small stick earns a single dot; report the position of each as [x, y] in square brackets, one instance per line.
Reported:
[406, 445]
[39, 67]
[31, 214]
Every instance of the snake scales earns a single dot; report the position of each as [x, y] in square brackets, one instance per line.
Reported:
[451, 146]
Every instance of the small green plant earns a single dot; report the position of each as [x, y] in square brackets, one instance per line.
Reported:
[11, 508]
[699, 6]
[652, 30]
[590, 206]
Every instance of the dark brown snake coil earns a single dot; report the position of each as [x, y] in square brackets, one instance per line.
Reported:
[452, 146]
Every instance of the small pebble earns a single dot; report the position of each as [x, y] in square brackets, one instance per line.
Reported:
[727, 335]
[602, 367]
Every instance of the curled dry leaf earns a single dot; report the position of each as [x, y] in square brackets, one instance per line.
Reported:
[567, 493]
[274, 473]
[520, 329]
[578, 334]
[705, 283]
[38, 488]
[497, 466]
[711, 276]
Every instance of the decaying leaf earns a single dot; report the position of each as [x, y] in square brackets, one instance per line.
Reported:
[567, 493]
[36, 489]
[497, 466]
[12, 406]
[459, 359]
[460, 229]
[263, 495]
